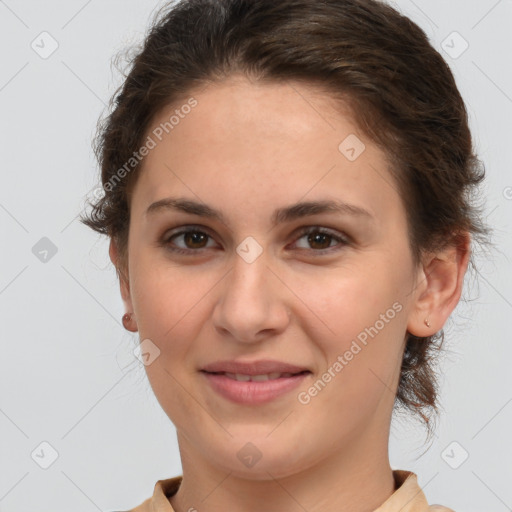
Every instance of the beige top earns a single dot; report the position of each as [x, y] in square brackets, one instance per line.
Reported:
[408, 496]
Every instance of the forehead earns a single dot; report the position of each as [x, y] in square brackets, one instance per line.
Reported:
[247, 143]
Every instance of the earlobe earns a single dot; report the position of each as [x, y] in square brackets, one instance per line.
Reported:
[129, 323]
[124, 285]
[440, 288]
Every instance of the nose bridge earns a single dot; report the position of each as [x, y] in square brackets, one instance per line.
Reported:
[249, 279]
[250, 266]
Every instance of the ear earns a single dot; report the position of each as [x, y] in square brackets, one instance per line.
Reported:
[440, 282]
[122, 273]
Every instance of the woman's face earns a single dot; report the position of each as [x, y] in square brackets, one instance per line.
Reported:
[249, 285]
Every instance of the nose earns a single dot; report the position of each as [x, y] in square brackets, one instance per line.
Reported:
[252, 302]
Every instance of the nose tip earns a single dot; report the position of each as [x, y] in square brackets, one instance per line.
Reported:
[251, 305]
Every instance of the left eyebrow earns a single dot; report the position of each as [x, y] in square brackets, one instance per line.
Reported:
[280, 215]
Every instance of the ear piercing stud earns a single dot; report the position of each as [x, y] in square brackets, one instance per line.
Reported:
[127, 318]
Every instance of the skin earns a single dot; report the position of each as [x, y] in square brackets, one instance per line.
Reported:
[246, 149]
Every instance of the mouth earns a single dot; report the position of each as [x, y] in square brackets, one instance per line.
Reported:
[263, 377]
[254, 368]
[253, 383]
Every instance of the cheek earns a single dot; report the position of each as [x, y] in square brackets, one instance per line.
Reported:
[366, 318]
[167, 297]
[349, 298]
[168, 306]
[362, 363]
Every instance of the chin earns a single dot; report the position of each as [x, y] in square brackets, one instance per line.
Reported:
[258, 457]
[267, 468]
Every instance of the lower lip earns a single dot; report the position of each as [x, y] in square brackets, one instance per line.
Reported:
[253, 392]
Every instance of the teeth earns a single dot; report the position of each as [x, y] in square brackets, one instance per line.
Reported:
[238, 376]
[257, 378]
[261, 377]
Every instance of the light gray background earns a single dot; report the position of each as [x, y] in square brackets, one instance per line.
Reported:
[68, 375]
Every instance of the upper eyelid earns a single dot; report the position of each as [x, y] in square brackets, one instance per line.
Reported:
[187, 228]
[199, 228]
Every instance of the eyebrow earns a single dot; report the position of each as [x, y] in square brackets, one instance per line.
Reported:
[280, 215]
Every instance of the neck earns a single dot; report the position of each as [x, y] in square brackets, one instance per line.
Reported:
[354, 478]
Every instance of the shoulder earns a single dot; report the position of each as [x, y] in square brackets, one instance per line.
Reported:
[162, 491]
[409, 496]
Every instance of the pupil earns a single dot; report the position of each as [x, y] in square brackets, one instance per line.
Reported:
[194, 237]
[318, 236]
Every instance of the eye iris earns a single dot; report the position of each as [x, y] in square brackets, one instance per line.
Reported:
[194, 237]
[316, 237]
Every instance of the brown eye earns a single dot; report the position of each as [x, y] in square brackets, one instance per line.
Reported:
[319, 240]
[192, 240]
[322, 239]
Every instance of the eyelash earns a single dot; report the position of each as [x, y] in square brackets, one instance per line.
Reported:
[342, 240]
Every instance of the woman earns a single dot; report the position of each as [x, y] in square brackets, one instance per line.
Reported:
[286, 193]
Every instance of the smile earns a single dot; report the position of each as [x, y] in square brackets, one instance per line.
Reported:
[253, 389]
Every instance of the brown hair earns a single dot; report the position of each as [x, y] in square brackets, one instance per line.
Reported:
[364, 53]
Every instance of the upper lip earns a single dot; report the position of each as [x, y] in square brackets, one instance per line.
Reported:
[252, 368]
